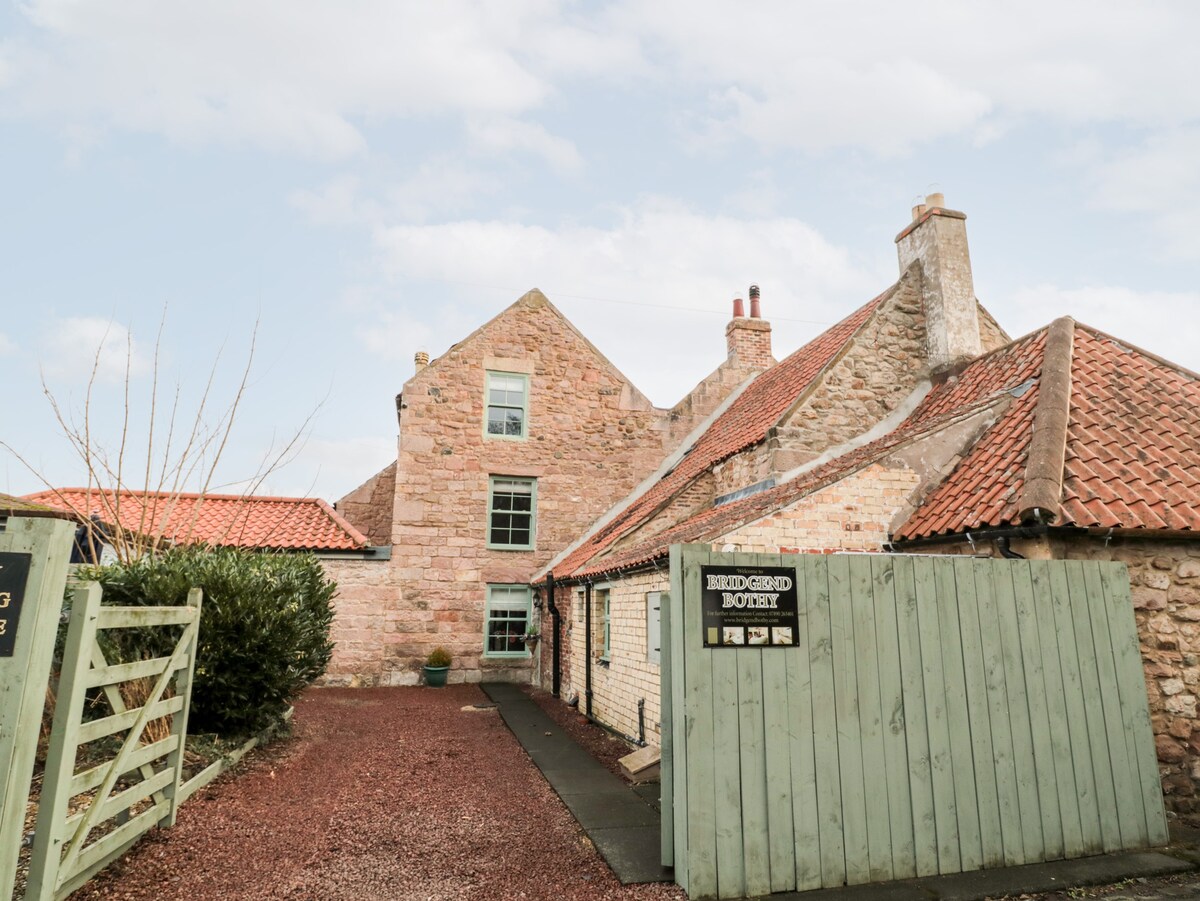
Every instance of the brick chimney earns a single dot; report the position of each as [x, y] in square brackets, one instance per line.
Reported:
[420, 360]
[937, 239]
[749, 338]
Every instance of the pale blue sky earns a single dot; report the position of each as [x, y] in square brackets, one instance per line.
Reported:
[372, 179]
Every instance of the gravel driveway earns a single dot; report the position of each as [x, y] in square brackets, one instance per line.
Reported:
[382, 793]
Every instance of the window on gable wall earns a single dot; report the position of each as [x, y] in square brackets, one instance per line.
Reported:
[507, 405]
[507, 620]
[511, 513]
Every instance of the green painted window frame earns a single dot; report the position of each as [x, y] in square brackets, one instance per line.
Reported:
[605, 622]
[506, 604]
[523, 406]
[493, 512]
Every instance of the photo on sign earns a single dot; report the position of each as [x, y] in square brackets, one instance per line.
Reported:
[733, 635]
[758, 635]
[782, 635]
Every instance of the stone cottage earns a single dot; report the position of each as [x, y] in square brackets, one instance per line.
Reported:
[510, 444]
[917, 426]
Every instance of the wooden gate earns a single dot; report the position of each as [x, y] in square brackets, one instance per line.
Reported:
[936, 715]
[138, 787]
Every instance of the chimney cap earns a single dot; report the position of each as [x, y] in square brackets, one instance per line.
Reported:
[739, 308]
[937, 199]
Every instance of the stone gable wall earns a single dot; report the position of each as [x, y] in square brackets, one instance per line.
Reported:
[591, 439]
[369, 506]
[881, 369]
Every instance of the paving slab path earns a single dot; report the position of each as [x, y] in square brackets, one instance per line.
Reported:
[394, 793]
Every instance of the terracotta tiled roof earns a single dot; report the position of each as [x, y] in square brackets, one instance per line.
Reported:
[291, 523]
[1132, 448]
[714, 522]
[744, 423]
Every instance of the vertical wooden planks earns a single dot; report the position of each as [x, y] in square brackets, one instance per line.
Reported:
[50, 833]
[916, 729]
[937, 715]
[867, 664]
[666, 705]
[25, 675]
[1127, 816]
[825, 725]
[802, 733]
[755, 835]
[1019, 720]
[1114, 581]
[1056, 703]
[994, 721]
[779, 779]
[891, 701]
[731, 874]
[1077, 723]
[949, 838]
[1036, 695]
[701, 820]
[678, 717]
[849, 732]
[1092, 690]
[970, 717]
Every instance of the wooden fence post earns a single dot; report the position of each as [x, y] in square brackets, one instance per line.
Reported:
[183, 688]
[34, 553]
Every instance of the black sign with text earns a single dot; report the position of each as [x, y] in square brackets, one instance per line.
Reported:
[14, 572]
[749, 606]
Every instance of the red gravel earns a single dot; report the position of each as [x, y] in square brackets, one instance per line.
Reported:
[381, 794]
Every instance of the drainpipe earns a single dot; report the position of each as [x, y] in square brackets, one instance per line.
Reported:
[555, 651]
[587, 649]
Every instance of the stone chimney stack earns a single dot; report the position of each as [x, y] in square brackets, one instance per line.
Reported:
[420, 360]
[748, 339]
[937, 239]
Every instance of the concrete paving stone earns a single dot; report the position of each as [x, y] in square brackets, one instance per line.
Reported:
[632, 853]
[607, 811]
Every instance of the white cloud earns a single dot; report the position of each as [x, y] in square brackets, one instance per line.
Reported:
[1142, 318]
[503, 135]
[329, 468]
[1157, 176]
[889, 77]
[438, 188]
[301, 76]
[72, 347]
[313, 77]
[685, 267]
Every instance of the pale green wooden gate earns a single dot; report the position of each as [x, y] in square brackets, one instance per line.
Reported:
[139, 786]
[937, 715]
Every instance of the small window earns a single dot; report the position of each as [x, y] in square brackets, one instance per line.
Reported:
[604, 617]
[507, 405]
[511, 513]
[507, 620]
[654, 600]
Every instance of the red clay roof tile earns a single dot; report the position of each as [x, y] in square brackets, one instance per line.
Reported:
[291, 523]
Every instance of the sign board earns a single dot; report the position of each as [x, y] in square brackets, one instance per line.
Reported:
[749, 606]
[14, 572]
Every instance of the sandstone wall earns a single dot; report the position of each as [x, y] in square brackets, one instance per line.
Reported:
[591, 438]
[368, 618]
[369, 506]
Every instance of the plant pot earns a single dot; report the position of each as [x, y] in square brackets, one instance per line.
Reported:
[435, 676]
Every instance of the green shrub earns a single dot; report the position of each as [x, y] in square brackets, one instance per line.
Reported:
[439, 656]
[264, 627]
